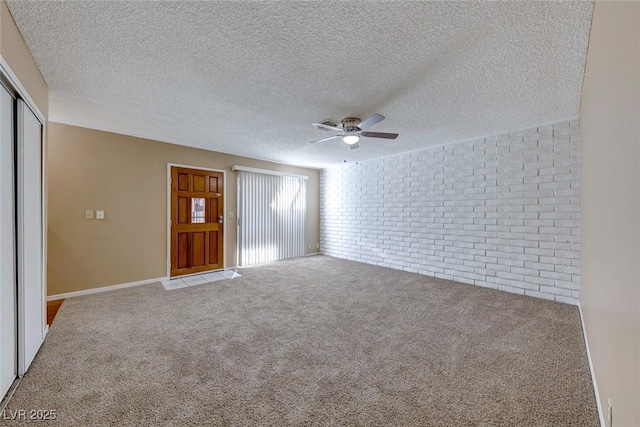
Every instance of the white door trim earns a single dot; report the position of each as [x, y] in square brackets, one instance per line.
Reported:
[224, 224]
[15, 82]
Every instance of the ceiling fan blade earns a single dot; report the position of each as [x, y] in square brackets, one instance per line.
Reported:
[354, 146]
[324, 126]
[380, 135]
[370, 121]
[326, 139]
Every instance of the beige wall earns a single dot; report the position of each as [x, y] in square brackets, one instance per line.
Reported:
[127, 178]
[610, 206]
[14, 50]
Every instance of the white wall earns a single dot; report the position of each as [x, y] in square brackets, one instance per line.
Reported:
[499, 212]
[610, 127]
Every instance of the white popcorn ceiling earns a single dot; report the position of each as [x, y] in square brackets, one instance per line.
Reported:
[249, 78]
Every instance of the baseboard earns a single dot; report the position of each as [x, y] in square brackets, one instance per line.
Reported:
[104, 289]
[313, 253]
[593, 375]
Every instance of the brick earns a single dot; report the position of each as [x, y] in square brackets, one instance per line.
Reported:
[539, 281]
[525, 271]
[567, 285]
[556, 276]
[524, 285]
[498, 267]
[539, 252]
[511, 276]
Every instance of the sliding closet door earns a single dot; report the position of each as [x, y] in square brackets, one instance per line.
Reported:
[30, 241]
[272, 217]
[8, 289]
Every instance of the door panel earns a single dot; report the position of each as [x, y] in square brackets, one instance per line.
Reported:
[197, 203]
[183, 250]
[8, 286]
[199, 183]
[183, 210]
[213, 247]
[198, 250]
[30, 243]
[213, 185]
[213, 210]
[183, 182]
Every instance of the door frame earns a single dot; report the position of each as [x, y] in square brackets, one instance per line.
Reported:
[224, 224]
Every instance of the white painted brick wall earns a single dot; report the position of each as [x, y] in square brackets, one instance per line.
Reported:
[500, 212]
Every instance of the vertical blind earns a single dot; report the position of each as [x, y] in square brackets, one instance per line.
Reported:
[272, 214]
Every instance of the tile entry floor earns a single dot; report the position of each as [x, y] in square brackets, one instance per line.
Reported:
[199, 279]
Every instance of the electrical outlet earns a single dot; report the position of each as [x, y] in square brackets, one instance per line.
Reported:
[230, 214]
[309, 246]
[99, 214]
[317, 245]
[88, 214]
[610, 413]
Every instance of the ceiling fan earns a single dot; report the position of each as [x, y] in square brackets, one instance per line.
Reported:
[352, 129]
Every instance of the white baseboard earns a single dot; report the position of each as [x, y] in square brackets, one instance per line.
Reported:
[104, 289]
[313, 253]
[593, 375]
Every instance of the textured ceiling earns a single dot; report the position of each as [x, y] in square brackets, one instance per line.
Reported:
[249, 78]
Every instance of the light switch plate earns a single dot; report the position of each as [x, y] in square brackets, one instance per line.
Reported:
[99, 214]
[88, 214]
[230, 214]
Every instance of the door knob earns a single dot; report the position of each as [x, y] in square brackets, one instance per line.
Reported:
[220, 219]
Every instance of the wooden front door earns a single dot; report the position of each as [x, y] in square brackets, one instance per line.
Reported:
[197, 214]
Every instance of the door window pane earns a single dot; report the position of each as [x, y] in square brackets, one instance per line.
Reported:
[197, 210]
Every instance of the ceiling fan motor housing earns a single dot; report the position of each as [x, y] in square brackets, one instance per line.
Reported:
[350, 124]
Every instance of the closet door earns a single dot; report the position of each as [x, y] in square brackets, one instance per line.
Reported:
[30, 242]
[8, 287]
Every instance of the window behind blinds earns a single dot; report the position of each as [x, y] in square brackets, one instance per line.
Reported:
[272, 217]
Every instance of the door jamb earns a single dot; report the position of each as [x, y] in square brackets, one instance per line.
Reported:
[224, 224]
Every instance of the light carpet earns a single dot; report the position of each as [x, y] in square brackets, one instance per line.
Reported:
[313, 341]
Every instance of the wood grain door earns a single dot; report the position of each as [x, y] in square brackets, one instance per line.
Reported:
[197, 215]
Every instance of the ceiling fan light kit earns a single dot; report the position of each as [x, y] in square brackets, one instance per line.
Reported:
[352, 129]
[351, 139]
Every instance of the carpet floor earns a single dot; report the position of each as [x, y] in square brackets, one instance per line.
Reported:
[312, 341]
